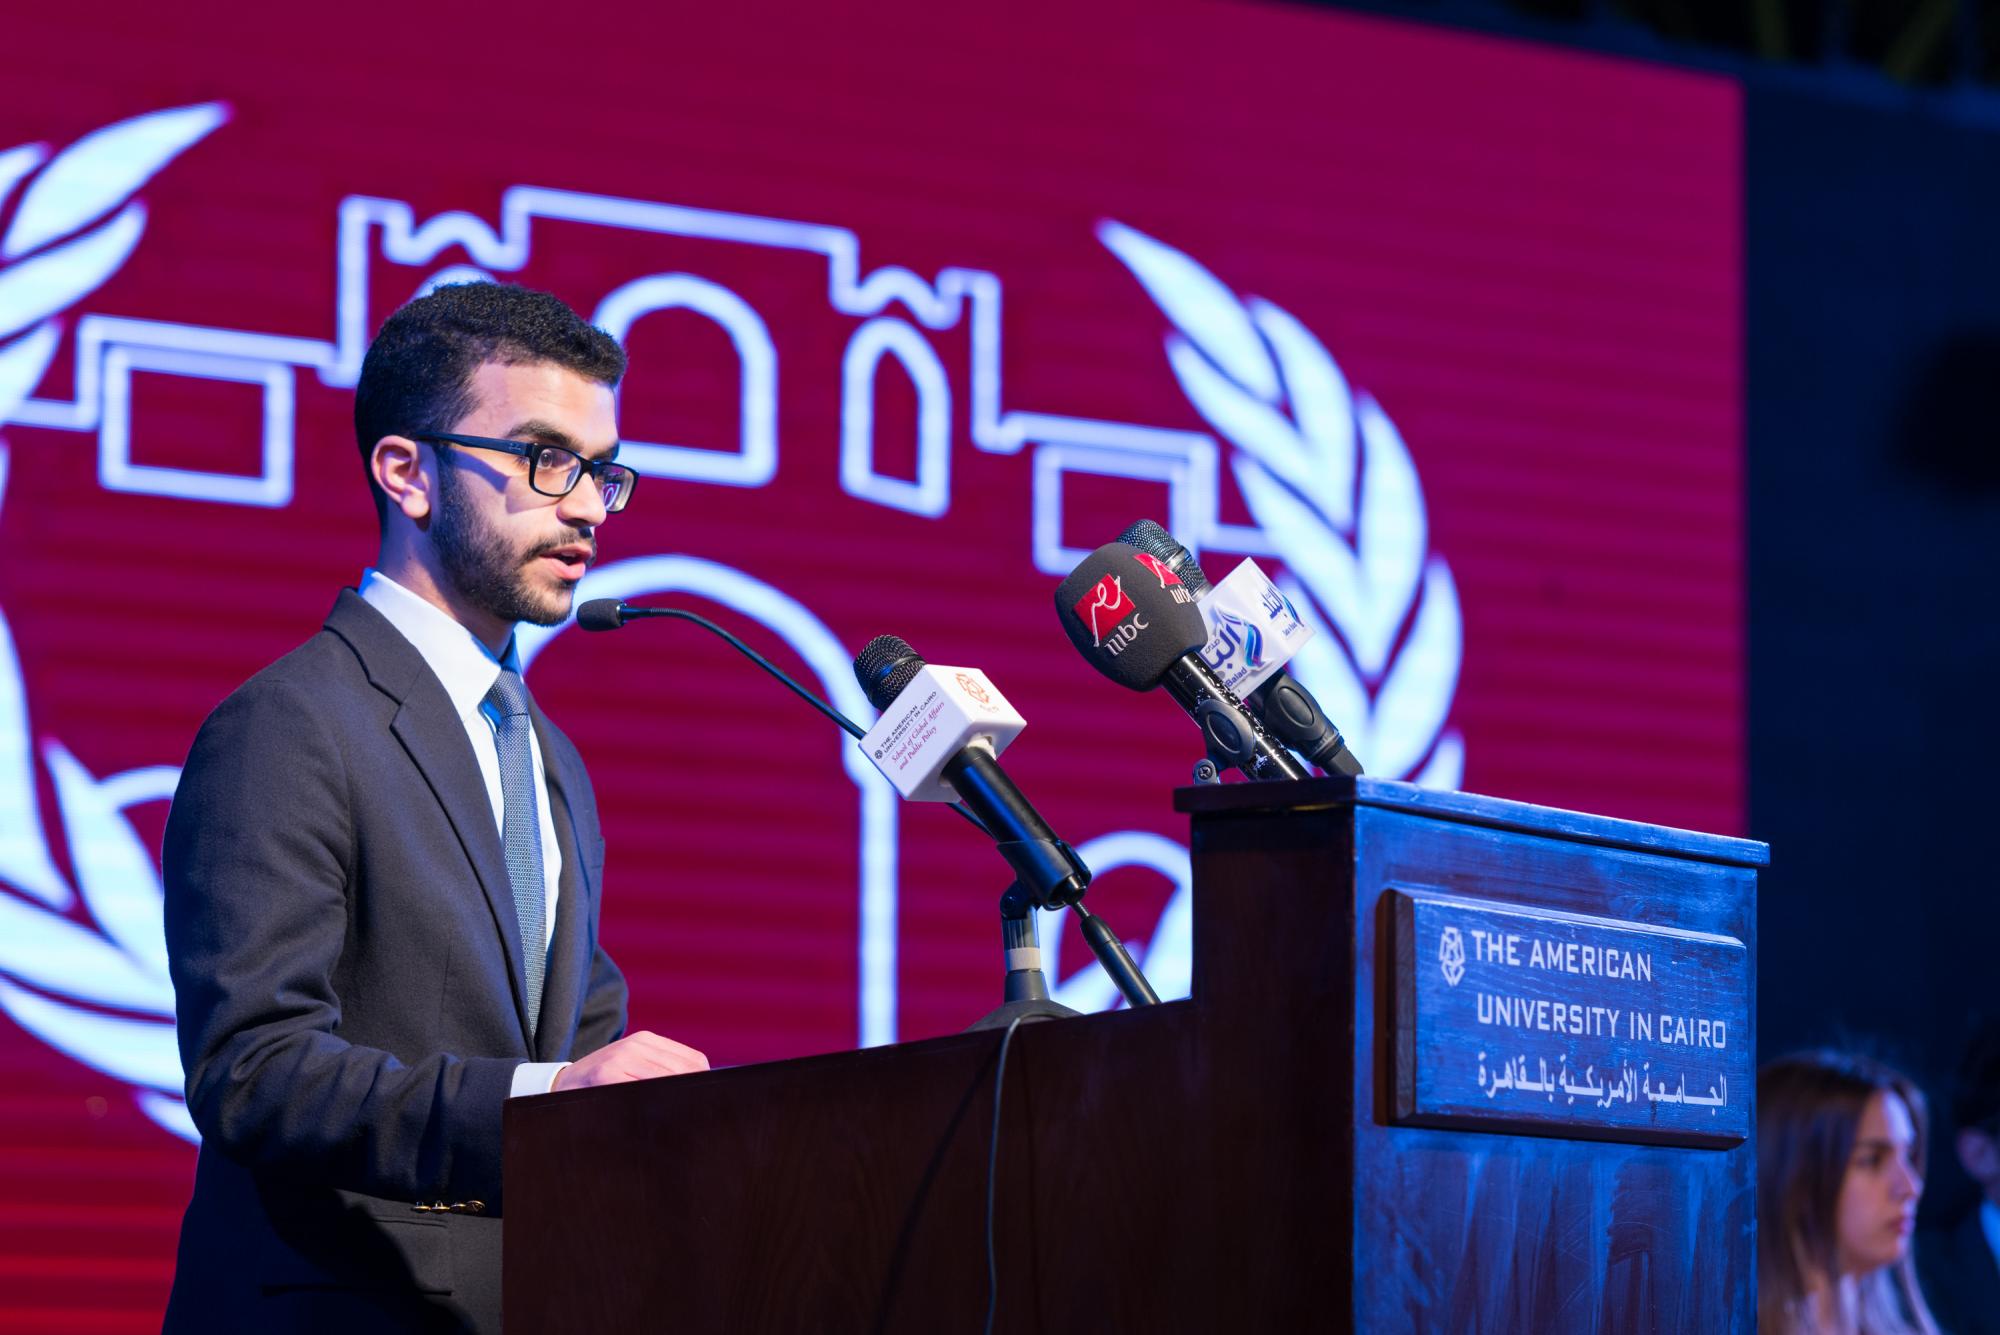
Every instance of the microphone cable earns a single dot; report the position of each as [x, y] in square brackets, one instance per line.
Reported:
[993, 1174]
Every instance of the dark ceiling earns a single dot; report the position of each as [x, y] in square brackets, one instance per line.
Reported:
[1945, 44]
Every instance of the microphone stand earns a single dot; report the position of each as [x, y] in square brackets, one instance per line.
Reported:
[1025, 994]
[1026, 991]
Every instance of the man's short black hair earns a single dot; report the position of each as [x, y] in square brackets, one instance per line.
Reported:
[417, 376]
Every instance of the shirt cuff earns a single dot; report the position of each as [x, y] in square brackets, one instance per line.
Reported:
[535, 1078]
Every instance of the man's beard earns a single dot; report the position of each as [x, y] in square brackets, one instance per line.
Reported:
[484, 570]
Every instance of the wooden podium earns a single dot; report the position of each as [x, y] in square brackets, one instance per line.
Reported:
[1450, 1064]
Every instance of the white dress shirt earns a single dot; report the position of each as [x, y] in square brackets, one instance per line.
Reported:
[467, 669]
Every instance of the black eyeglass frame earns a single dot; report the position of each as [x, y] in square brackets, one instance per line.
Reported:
[534, 451]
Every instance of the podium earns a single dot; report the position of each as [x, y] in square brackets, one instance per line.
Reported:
[1450, 1063]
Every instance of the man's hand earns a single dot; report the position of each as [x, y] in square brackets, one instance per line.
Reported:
[640, 1056]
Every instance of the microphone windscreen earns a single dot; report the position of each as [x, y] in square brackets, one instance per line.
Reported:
[885, 665]
[1154, 540]
[1129, 614]
[600, 614]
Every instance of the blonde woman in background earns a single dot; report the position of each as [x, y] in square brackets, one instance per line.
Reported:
[1840, 1153]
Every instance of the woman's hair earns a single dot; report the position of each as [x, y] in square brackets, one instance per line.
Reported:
[1809, 1110]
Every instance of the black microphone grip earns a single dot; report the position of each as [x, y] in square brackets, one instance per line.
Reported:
[1289, 710]
[1234, 735]
[1045, 866]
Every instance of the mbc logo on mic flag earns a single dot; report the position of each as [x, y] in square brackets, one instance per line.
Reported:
[1104, 607]
[1165, 574]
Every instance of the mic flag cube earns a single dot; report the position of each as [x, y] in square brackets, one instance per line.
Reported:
[1253, 629]
[940, 713]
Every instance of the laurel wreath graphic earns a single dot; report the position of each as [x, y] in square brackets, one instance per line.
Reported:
[1331, 483]
[87, 973]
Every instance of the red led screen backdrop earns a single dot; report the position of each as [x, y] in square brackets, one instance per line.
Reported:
[1443, 331]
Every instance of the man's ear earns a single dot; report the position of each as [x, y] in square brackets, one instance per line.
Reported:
[397, 465]
[1980, 1156]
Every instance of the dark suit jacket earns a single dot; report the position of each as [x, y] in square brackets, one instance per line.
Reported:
[348, 979]
[1961, 1279]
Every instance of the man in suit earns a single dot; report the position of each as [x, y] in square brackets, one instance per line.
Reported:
[383, 864]
[1960, 1265]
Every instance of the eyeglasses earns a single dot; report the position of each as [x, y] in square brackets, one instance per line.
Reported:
[554, 470]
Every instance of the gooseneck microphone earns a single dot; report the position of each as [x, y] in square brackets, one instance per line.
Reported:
[610, 614]
[1133, 619]
[1048, 870]
[1281, 702]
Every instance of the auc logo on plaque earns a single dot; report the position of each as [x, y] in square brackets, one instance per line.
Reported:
[1510, 1017]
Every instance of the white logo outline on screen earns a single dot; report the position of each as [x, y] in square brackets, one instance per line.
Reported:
[1259, 378]
[1265, 384]
[100, 992]
[110, 348]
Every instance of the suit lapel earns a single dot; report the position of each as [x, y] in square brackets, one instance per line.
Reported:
[563, 986]
[430, 731]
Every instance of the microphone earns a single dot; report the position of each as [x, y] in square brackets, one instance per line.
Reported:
[940, 726]
[1281, 702]
[1134, 619]
[610, 614]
